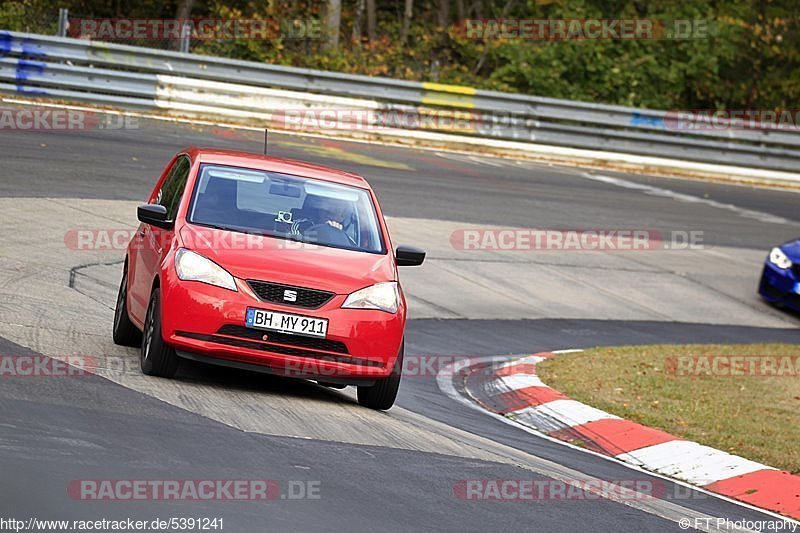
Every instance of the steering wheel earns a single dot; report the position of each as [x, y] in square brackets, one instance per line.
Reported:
[299, 227]
[329, 227]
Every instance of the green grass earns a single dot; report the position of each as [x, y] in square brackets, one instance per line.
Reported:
[756, 417]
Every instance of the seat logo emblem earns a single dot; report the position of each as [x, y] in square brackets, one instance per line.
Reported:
[290, 296]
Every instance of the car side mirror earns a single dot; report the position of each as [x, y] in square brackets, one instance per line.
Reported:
[155, 215]
[409, 256]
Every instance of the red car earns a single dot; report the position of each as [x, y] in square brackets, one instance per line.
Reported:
[268, 264]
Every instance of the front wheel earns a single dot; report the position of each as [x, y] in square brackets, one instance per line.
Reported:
[125, 333]
[382, 394]
[157, 358]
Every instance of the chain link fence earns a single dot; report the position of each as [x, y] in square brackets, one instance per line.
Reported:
[16, 18]
[163, 34]
[227, 37]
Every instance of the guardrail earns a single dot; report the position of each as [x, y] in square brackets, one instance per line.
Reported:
[189, 84]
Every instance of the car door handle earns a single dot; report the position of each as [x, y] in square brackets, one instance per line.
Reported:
[140, 233]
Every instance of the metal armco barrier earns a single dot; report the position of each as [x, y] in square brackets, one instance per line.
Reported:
[261, 94]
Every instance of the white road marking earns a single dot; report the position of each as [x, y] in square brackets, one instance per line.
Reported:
[688, 198]
[530, 360]
[468, 158]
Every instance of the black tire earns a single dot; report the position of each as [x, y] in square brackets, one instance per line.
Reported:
[156, 358]
[125, 332]
[382, 394]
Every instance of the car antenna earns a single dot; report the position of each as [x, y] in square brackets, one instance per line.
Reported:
[266, 134]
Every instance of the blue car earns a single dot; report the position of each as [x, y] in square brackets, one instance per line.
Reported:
[780, 281]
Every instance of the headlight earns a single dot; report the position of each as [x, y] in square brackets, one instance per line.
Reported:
[779, 259]
[383, 296]
[192, 266]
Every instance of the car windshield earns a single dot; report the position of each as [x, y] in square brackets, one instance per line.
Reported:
[285, 206]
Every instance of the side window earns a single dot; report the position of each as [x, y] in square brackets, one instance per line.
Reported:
[171, 192]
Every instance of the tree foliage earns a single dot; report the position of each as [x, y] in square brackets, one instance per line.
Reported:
[748, 59]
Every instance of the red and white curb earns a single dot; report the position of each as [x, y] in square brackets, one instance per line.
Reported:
[514, 391]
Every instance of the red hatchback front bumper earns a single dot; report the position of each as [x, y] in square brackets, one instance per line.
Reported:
[207, 323]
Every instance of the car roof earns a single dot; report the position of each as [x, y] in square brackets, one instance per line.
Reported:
[274, 164]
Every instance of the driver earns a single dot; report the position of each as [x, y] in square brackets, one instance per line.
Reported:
[333, 213]
[330, 223]
[325, 222]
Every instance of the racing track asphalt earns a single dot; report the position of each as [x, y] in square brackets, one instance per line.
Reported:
[56, 430]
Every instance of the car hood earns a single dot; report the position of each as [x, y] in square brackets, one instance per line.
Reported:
[792, 250]
[278, 260]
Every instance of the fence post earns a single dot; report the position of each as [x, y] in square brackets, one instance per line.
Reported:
[63, 21]
[186, 37]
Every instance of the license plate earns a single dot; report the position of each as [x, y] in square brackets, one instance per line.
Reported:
[286, 323]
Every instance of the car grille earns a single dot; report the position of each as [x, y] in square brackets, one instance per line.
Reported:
[274, 292]
[312, 343]
[277, 348]
[796, 270]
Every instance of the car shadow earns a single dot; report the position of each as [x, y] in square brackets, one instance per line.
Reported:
[782, 309]
[258, 382]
